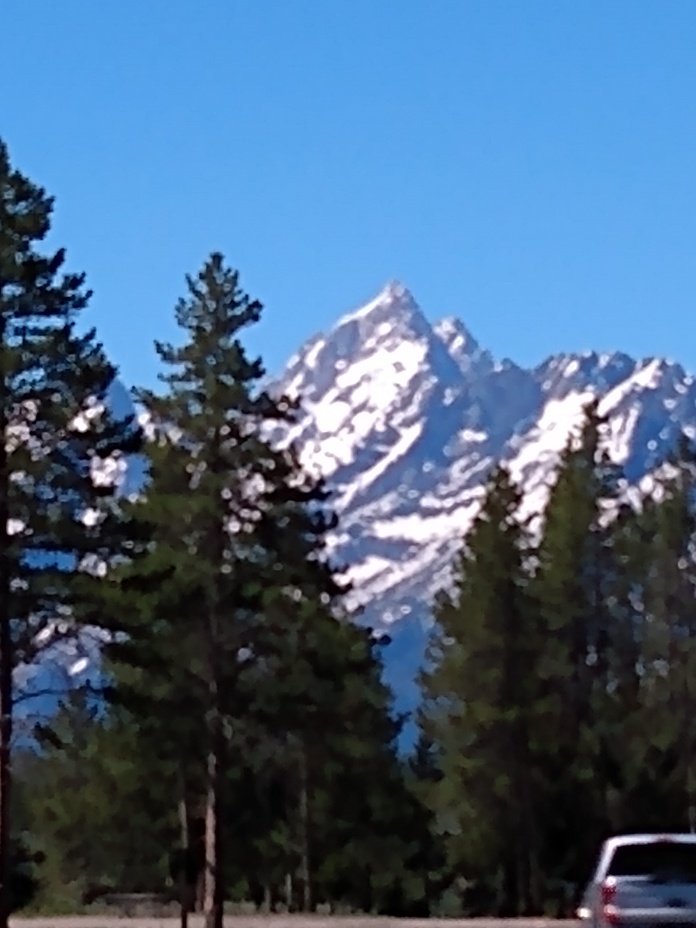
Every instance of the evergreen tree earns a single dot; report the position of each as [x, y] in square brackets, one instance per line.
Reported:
[575, 592]
[358, 800]
[621, 761]
[667, 705]
[162, 707]
[299, 691]
[480, 700]
[59, 523]
[224, 508]
[94, 805]
[423, 774]
[326, 771]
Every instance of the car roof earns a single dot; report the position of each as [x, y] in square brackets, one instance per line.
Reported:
[652, 838]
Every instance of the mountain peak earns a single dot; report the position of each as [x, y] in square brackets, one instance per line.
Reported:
[460, 344]
[394, 297]
[396, 292]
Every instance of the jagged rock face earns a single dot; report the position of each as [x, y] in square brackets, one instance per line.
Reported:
[405, 419]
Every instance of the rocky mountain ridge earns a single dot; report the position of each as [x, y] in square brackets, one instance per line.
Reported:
[405, 419]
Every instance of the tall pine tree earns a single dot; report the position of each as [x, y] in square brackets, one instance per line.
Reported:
[236, 527]
[480, 698]
[668, 633]
[59, 522]
[575, 591]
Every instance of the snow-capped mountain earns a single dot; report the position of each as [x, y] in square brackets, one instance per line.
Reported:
[405, 419]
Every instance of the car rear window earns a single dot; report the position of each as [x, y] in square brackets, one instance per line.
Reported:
[669, 860]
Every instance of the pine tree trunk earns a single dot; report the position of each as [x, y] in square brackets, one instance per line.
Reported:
[214, 879]
[305, 867]
[6, 664]
[214, 892]
[529, 831]
[184, 889]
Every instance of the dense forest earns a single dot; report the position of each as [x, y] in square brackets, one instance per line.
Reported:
[241, 744]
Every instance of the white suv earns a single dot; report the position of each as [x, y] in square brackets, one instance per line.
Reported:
[643, 881]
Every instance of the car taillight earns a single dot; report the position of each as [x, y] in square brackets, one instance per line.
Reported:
[608, 896]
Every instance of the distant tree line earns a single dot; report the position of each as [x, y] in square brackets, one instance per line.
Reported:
[243, 744]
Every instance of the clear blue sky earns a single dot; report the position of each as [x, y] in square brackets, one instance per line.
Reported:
[528, 165]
